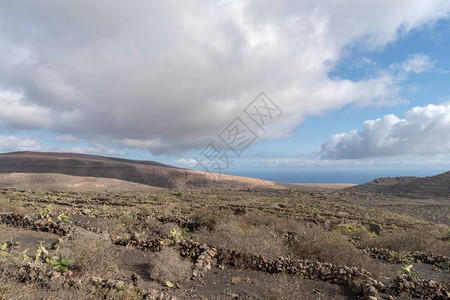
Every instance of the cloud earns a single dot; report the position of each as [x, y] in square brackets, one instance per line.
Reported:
[417, 63]
[169, 76]
[186, 163]
[17, 143]
[12, 143]
[423, 131]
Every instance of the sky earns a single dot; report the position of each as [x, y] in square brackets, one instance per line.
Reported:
[292, 91]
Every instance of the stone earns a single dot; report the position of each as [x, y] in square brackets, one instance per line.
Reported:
[96, 280]
[235, 279]
[372, 290]
[432, 284]
[120, 284]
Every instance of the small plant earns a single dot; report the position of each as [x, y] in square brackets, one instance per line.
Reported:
[170, 284]
[184, 231]
[126, 219]
[65, 219]
[13, 243]
[3, 248]
[45, 212]
[408, 269]
[174, 236]
[9, 244]
[399, 258]
[23, 256]
[91, 212]
[60, 264]
[4, 289]
[41, 250]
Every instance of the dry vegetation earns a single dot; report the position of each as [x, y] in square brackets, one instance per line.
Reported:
[91, 255]
[322, 226]
[168, 265]
[430, 241]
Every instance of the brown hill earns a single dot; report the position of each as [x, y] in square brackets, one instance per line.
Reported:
[61, 182]
[417, 187]
[142, 172]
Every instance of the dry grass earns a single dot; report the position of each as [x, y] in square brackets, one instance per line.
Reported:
[256, 227]
[263, 234]
[420, 239]
[242, 233]
[11, 204]
[12, 289]
[314, 243]
[208, 218]
[91, 255]
[168, 265]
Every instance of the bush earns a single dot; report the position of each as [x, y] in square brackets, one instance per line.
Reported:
[263, 234]
[208, 218]
[314, 243]
[420, 239]
[252, 232]
[91, 254]
[246, 238]
[168, 265]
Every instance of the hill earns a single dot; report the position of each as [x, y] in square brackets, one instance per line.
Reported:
[141, 172]
[417, 187]
[60, 182]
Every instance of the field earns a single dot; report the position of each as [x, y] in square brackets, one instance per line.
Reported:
[221, 244]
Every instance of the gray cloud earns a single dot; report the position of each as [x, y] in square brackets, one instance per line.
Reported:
[168, 76]
[424, 130]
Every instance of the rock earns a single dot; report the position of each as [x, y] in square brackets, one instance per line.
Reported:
[96, 280]
[55, 276]
[372, 290]
[235, 279]
[135, 278]
[432, 284]
[120, 284]
[409, 285]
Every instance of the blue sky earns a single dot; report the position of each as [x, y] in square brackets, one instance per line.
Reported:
[362, 87]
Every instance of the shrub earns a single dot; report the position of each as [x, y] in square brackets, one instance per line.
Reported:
[314, 243]
[208, 218]
[91, 254]
[263, 234]
[237, 233]
[419, 239]
[168, 265]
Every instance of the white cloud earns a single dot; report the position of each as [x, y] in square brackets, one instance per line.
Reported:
[12, 143]
[169, 76]
[417, 63]
[186, 163]
[424, 130]
[17, 143]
